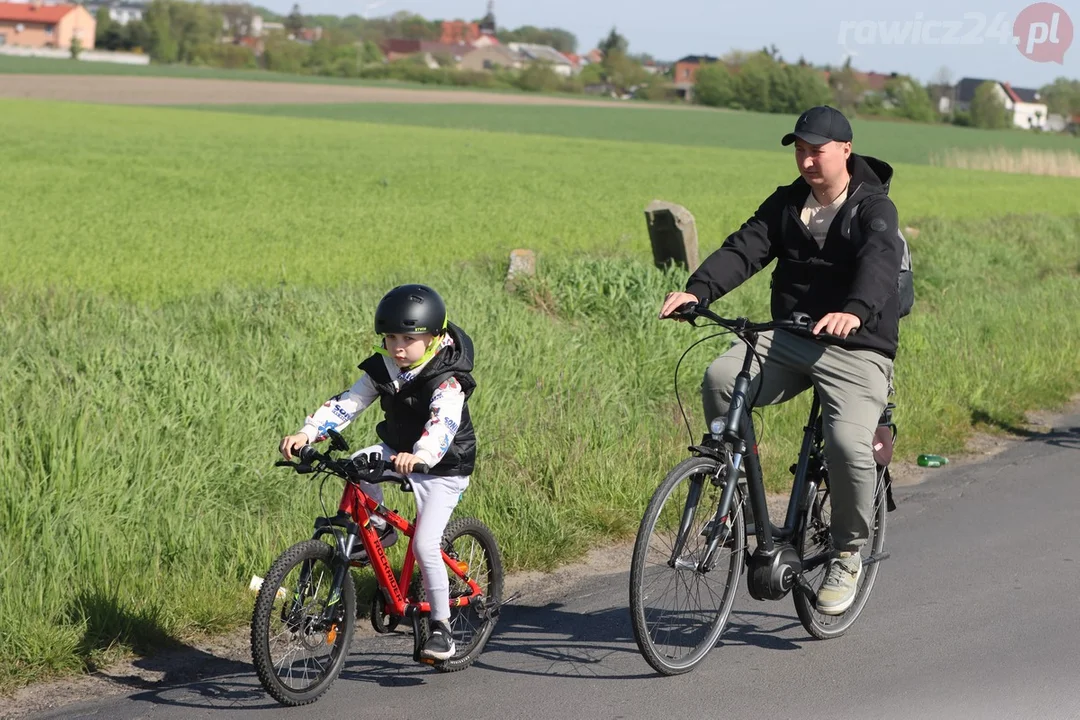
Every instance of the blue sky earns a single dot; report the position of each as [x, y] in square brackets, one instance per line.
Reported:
[673, 28]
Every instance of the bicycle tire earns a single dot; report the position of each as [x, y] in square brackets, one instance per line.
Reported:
[826, 627]
[339, 635]
[712, 621]
[469, 637]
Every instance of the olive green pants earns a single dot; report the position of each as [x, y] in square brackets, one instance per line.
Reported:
[853, 387]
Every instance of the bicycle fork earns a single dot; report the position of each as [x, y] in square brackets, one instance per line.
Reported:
[716, 530]
[721, 528]
[344, 542]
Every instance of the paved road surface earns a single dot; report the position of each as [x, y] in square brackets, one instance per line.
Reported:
[975, 615]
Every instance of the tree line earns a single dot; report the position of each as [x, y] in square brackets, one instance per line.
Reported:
[761, 81]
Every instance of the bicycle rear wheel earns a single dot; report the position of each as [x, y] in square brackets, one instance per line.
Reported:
[815, 543]
[300, 634]
[469, 541]
[679, 610]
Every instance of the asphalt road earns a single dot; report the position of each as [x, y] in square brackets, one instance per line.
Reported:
[975, 615]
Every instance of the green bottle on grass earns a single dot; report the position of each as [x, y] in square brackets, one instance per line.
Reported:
[933, 461]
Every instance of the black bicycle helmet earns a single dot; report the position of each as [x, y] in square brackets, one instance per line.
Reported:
[410, 309]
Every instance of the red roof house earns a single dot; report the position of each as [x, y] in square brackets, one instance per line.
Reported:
[38, 25]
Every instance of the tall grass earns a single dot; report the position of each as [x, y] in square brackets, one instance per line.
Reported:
[1028, 161]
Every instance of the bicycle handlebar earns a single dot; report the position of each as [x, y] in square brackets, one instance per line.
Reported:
[359, 468]
[798, 321]
[689, 311]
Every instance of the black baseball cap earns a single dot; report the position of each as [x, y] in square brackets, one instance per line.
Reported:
[820, 125]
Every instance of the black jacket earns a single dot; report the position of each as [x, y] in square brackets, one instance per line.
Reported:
[407, 410]
[854, 270]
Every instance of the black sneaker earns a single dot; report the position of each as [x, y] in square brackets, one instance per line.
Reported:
[387, 537]
[440, 646]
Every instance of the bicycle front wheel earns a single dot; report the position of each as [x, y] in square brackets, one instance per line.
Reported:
[300, 632]
[679, 608]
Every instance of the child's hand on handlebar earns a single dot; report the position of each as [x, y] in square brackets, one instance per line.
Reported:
[291, 444]
[674, 301]
[405, 462]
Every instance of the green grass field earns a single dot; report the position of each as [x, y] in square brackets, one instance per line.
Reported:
[893, 141]
[183, 287]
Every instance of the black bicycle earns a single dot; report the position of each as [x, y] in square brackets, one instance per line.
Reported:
[693, 542]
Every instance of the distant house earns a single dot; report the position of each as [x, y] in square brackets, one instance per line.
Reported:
[594, 57]
[397, 48]
[492, 57]
[1024, 105]
[36, 25]
[686, 68]
[532, 53]
[685, 73]
[120, 11]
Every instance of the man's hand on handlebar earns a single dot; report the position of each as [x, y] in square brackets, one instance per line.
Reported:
[674, 301]
[291, 444]
[839, 324]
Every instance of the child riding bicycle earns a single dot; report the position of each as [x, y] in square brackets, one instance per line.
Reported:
[421, 374]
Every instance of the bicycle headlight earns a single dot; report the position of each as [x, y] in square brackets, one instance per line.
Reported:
[716, 427]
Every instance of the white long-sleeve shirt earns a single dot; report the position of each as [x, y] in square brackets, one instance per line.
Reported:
[447, 404]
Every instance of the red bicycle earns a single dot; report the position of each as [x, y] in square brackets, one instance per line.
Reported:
[305, 612]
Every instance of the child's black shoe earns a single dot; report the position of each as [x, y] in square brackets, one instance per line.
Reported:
[440, 646]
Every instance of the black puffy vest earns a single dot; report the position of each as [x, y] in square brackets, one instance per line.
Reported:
[408, 409]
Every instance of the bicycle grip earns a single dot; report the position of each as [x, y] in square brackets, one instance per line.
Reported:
[421, 468]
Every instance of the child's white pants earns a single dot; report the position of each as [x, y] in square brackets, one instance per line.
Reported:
[436, 498]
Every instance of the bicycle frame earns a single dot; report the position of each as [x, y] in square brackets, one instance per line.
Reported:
[740, 417]
[739, 431]
[354, 517]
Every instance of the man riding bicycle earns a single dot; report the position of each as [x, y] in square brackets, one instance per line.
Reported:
[833, 232]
